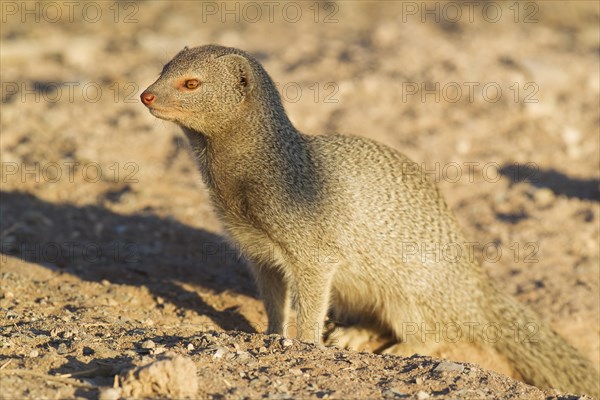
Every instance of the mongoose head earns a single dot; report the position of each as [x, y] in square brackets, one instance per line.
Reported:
[212, 89]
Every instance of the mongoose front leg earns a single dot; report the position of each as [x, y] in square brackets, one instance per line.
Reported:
[311, 291]
[275, 295]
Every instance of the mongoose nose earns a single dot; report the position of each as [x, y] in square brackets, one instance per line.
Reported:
[147, 98]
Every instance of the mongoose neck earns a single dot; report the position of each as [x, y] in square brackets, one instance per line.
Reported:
[277, 161]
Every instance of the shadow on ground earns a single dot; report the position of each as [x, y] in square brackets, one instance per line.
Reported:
[559, 183]
[97, 244]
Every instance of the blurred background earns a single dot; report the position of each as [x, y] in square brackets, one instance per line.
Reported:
[103, 213]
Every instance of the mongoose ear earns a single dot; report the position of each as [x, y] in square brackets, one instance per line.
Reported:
[241, 69]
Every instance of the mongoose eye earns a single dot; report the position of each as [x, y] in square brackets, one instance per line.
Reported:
[191, 84]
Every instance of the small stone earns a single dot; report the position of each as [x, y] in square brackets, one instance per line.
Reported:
[221, 351]
[109, 393]
[62, 349]
[171, 377]
[34, 353]
[88, 351]
[421, 395]
[394, 394]
[105, 282]
[543, 197]
[448, 366]
[262, 349]
[148, 344]
[286, 342]
[243, 356]
[190, 347]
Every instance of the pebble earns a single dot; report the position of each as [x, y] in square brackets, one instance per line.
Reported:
[544, 197]
[448, 366]
[173, 376]
[88, 351]
[34, 353]
[221, 351]
[243, 356]
[109, 394]
[62, 349]
[421, 395]
[393, 393]
[158, 350]
[148, 344]
[190, 347]
[286, 342]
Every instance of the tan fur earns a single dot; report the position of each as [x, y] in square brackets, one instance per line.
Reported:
[327, 221]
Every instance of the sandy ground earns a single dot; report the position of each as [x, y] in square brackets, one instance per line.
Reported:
[111, 258]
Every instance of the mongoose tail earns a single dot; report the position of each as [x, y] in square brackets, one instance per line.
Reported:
[538, 353]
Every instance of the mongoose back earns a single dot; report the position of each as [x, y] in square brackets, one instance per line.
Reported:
[330, 222]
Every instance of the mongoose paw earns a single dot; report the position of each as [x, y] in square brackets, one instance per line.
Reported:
[399, 349]
[351, 337]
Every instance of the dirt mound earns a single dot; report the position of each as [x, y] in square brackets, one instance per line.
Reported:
[170, 376]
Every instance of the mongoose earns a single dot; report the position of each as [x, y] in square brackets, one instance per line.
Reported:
[326, 222]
